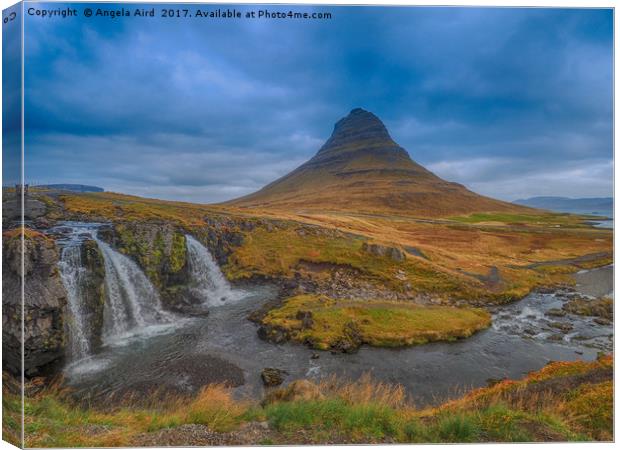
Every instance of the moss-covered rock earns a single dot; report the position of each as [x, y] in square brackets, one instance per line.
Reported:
[158, 248]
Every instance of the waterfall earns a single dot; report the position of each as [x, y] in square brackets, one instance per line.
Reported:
[132, 301]
[72, 274]
[208, 280]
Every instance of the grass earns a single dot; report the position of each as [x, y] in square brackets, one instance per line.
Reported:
[564, 401]
[316, 254]
[53, 420]
[547, 219]
[458, 252]
[378, 323]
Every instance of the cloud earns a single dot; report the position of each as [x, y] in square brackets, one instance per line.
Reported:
[190, 111]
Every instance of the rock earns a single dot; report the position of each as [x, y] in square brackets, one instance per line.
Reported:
[380, 250]
[416, 252]
[601, 321]
[93, 291]
[350, 341]
[44, 304]
[273, 334]
[583, 306]
[562, 326]
[298, 390]
[273, 377]
[493, 381]
[555, 312]
[306, 319]
[555, 337]
[315, 356]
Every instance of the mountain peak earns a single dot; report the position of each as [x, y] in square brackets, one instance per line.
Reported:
[359, 127]
[361, 169]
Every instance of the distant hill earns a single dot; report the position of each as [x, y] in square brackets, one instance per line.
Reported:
[361, 169]
[603, 206]
[72, 187]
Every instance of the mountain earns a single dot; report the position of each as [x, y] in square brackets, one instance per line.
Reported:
[603, 206]
[361, 169]
[72, 187]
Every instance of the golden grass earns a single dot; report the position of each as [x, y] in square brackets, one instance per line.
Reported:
[459, 252]
[379, 323]
[346, 411]
[53, 420]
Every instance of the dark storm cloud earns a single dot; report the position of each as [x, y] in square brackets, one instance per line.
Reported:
[511, 102]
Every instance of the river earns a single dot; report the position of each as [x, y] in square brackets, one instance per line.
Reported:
[225, 346]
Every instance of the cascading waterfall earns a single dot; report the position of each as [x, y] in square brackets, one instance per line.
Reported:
[72, 274]
[132, 301]
[208, 280]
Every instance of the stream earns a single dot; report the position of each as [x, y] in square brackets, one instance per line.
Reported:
[178, 354]
[211, 349]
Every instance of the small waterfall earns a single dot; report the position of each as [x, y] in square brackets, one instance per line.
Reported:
[72, 274]
[132, 301]
[209, 281]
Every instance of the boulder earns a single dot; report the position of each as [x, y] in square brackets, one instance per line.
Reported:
[384, 251]
[350, 341]
[562, 326]
[555, 312]
[273, 377]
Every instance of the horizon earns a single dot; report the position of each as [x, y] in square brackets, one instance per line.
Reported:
[511, 103]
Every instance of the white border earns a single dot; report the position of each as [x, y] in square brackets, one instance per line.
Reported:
[489, 3]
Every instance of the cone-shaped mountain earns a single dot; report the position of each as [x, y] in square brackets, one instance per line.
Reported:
[361, 169]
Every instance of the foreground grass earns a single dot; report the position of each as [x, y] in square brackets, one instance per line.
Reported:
[564, 401]
[325, 323]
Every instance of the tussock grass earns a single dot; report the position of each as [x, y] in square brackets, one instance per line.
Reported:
[575, 404]
[52, 419]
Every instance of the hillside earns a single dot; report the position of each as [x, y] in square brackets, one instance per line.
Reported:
[360, 168]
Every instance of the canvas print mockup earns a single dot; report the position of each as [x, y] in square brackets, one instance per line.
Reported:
[306, 224]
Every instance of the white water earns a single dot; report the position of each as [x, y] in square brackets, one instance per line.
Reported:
[132, 302]
[208, 280]
[72, 274]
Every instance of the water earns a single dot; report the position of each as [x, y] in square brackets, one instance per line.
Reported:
[208, 280]
[225, 346]
[132, 306]
[72, 274]
[132, 303]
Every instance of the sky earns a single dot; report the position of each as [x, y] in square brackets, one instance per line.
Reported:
[513, 103]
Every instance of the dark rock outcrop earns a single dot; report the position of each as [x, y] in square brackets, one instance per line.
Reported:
[273, 377]
[44, 304]
[93, 291]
